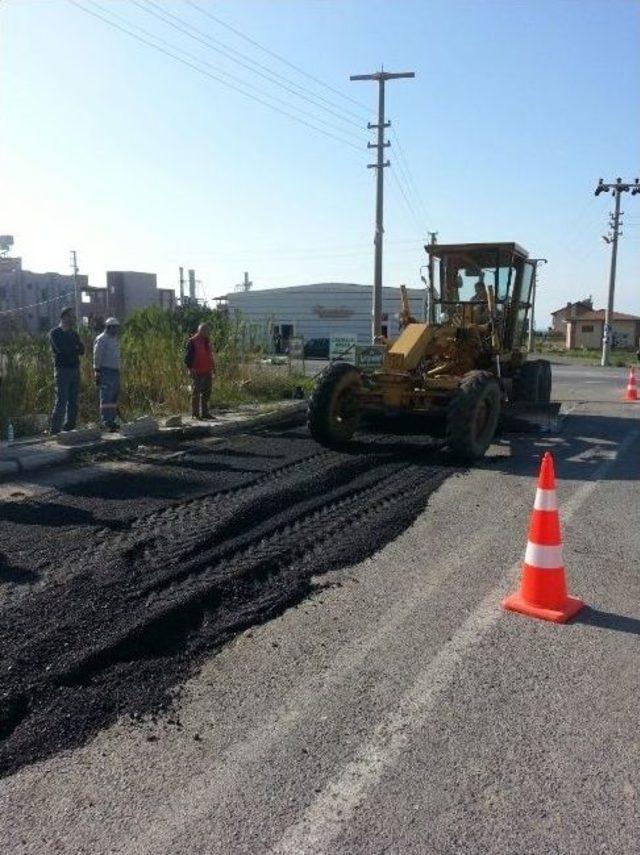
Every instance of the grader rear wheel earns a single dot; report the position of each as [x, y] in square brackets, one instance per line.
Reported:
[473, 414]
[334, 407]
[534, 382]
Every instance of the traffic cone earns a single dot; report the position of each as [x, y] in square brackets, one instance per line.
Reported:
[543, 589]
[632, 389]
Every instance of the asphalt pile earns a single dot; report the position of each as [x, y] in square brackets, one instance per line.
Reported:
[113, 591]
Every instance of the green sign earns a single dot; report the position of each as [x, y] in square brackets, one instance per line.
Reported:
[370, 357]
[343, 347]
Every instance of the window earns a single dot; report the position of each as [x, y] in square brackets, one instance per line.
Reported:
[45, 294]
[587, 328]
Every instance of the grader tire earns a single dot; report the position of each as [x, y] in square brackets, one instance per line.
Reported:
[334, 411]
[472, 417]
[534, 382]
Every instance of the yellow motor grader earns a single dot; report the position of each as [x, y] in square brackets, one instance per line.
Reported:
[464, 363]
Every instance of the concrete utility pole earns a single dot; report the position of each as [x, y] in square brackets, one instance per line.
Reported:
[535, 262]
[617, 188]
[76, 295]
[431, 317]
[382, 77]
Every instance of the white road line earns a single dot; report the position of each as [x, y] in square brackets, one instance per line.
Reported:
[329, 814]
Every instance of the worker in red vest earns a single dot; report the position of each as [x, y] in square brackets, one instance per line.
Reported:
[199, 359]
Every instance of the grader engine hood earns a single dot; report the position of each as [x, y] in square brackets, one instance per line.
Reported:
[409, 349]
[451, 349]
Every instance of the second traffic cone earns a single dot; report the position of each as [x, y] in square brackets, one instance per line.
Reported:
[543, 588]
[632, 389]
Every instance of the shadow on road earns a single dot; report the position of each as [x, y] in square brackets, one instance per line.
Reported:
[16, 575]
[608, 620]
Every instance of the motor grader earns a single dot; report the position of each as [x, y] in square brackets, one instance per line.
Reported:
[464, 364]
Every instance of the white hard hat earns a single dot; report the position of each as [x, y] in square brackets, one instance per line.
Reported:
[112, 322]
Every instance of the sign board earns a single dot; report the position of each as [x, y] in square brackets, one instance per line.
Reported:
[370, 358]
[296, 347]
[343, 347]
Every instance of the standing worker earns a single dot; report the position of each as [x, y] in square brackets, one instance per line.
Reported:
[67, 350]
[199, 359]
[106, 365]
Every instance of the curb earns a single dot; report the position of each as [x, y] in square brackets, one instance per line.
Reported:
[52, 454]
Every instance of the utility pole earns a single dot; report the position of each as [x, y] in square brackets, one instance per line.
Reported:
[617, 188]
[381, 76]
[535, 262]
[76, 295]
[431, 316]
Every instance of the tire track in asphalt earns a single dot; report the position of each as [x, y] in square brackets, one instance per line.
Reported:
[173, 585]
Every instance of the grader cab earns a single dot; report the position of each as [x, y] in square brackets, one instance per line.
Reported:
[464, 362]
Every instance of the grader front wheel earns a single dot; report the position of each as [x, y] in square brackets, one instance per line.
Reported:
[473, 415]
[334, 407]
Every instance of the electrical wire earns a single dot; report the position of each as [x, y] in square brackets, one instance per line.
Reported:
[35, 305]
[411, 182]
[409, 206]
[220, 71]
[264, 71]
[215, 77]
[280, 58]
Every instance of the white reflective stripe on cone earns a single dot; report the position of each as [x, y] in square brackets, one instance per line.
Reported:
[546, 557]
[545, 500]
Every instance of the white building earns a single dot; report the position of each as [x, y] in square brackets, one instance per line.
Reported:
[321, 311]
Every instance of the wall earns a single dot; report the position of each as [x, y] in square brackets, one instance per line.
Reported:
[625, 334]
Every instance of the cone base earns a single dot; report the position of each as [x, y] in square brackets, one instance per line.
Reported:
[631, 400]
[572, 605]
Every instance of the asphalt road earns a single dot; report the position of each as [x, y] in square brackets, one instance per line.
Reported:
[385, 703]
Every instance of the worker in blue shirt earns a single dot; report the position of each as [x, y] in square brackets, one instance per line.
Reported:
[67, 350]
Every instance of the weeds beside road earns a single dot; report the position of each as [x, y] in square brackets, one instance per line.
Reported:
[155, 380]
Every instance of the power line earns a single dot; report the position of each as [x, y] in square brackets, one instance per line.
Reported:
[221, 71]
[411, 182]
[279, 58]
[213, 76]
[35, 305]
[286, 83]
[407, 201]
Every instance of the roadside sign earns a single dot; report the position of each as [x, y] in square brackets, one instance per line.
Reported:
[296, 347]
[370, 358]
[343, 347]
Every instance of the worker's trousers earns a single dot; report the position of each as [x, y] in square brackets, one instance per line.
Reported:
[200, 394]
[109, 390]
[66, 405]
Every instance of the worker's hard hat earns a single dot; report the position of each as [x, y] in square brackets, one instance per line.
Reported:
[112, 322]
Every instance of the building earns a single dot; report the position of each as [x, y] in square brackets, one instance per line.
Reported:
[587, 330]
[571, 310]
[33, 300]
[126, 292]
[319, 311]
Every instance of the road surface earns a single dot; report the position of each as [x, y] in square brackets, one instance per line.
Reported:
[258, 646]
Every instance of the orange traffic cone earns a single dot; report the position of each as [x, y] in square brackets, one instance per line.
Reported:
[543, 589]
[632, 389]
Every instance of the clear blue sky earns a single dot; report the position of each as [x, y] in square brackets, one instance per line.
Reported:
[139, 162]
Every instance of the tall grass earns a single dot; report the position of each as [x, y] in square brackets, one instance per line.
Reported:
[154, 378]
